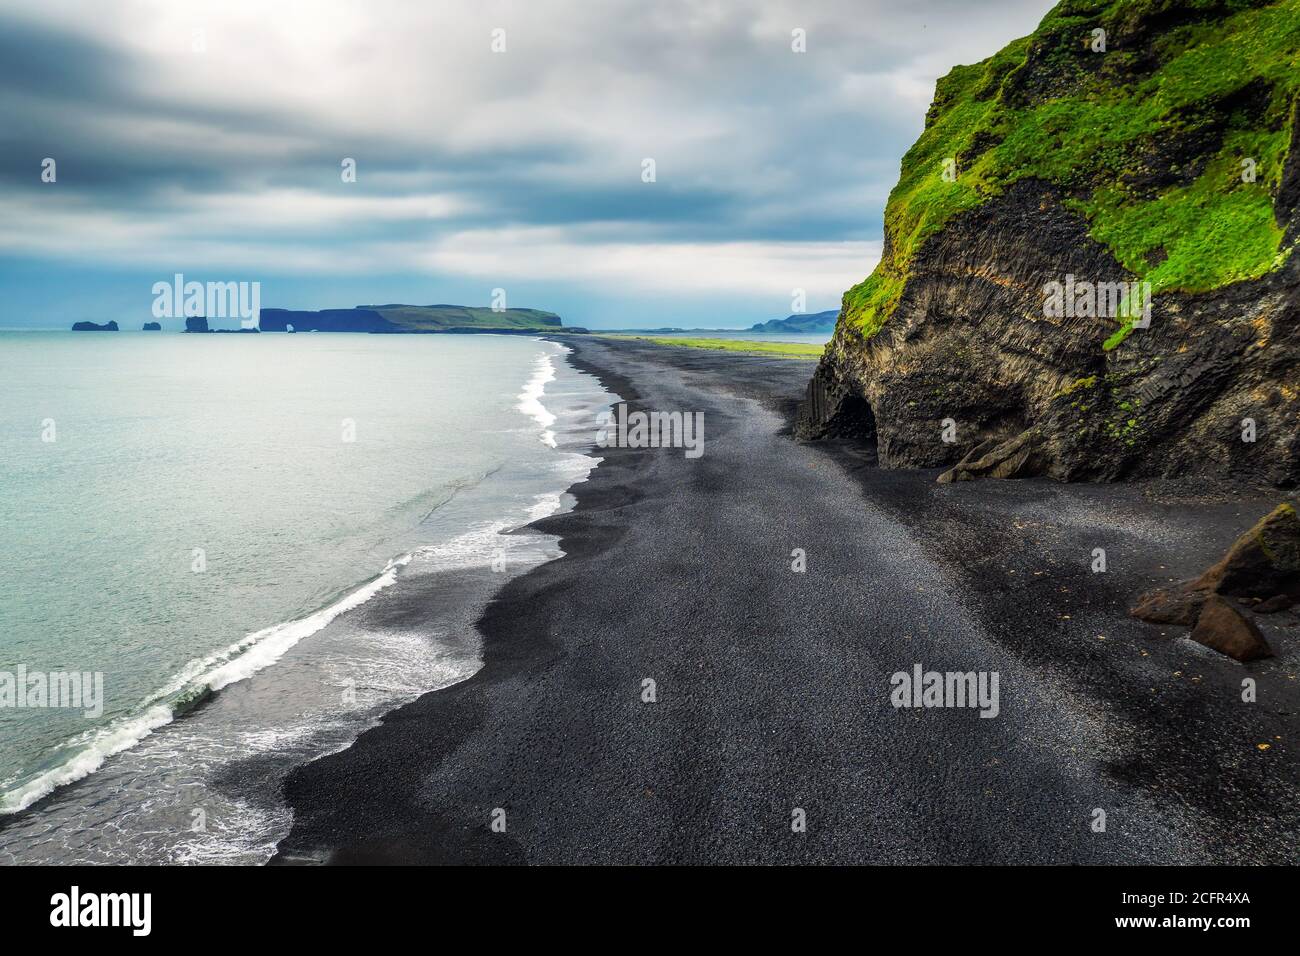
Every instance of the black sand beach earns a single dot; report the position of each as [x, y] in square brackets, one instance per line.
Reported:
[773, 687]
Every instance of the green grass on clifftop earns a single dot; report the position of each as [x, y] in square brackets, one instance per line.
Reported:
[421, 318]
[1144, 140]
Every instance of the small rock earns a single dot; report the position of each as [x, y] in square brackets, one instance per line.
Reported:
[1225, 629]
[1278, 602]
[1179, 605]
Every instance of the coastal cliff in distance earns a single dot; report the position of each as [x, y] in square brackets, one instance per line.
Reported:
[93, 327]
[1127, 152]
[412, 318]
[799, 322]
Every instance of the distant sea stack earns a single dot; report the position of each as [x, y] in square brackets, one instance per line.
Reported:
[397, 318]
[1054, 185]
[800, 322]
[92, 327]
[196, 324]
[152, 327]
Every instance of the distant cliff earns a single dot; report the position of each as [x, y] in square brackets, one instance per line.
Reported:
[411, 318]
[92, 327]
[1125, 145]
[800, 322]
[199, 324]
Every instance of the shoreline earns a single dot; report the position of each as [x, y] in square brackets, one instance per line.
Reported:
[772, 686]
[282, 694]
[500, 661]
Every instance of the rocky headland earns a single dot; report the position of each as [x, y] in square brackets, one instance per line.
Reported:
[1125, 149]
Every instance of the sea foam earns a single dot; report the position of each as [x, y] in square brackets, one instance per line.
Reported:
[236, 662]
[201, 677]
[530, 399]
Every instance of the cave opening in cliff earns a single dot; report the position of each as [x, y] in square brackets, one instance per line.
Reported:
[854, 420]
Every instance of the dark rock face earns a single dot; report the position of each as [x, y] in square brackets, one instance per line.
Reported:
[1024, 394]
[196, 324]
[1024, 177]
[152, 327]
[326, 320]
[92, 327]
[839, 411]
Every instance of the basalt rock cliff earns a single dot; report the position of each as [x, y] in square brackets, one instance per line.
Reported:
[1125, 141]
[398, 318]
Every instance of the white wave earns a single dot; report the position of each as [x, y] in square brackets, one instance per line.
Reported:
[263, 648]
[571, 469]
[97, 746]
[545, 506]
[241, 834]
[240, 660]
[477, 547]
[530, 399]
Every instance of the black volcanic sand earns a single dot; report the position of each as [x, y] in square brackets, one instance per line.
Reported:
[773, 686]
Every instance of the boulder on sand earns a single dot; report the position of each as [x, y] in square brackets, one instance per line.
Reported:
[1262, 567]
[1225, 629]
[1264, 563]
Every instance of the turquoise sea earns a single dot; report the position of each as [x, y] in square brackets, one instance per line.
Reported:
[184, 514]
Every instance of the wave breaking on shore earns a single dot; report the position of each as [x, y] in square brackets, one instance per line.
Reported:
[196, 684]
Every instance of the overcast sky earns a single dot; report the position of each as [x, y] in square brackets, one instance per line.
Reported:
[207, 138]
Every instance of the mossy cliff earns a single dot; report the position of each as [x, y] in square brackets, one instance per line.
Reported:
[1125, 141]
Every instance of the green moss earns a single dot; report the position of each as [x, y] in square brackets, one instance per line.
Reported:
[1096, 124]
[868, 304]
[1078, 385]
[1122, 429]
[1117, 337]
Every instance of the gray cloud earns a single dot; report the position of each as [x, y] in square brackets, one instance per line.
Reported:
[758, 149]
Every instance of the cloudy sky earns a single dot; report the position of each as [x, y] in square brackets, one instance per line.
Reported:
[207, 139]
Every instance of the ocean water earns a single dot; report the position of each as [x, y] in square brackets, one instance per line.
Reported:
[301, 524]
